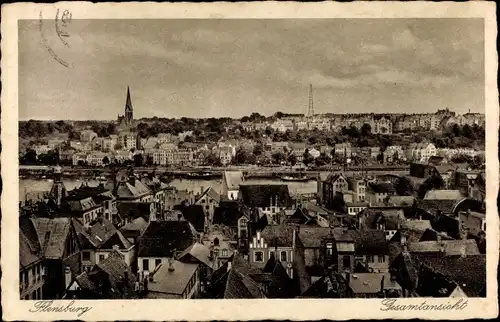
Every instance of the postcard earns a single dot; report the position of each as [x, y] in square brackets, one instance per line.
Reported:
[249, 161]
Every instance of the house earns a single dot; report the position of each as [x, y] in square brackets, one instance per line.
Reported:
[379, 192]
[195, 215]
[353, 208]
[174, 280]
[130, 211]
[425, 275]
[372, 285]
[110, 279]
[382, 125]
[303, 215]
[222, 242]
[343, 150]
[225, 155]
[233, 281]
[230, 217]
[421, 152]
[386, 219]
[452, 247]
[371, 250]
[134, 229]
[162, 240]
[269, 199]
[98, 240]
[393, 153]
[59, 250]
[358, 186]
[473, 222]
[31, 269]
[465, 180]
[158, 189]
[127, 187]
[334, 184]
[209, 200]
[273, 240]
[205, 257]
[231, 181]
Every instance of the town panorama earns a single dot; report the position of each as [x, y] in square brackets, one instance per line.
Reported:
[279, 206]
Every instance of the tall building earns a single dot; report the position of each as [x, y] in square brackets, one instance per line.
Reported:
[125, 121]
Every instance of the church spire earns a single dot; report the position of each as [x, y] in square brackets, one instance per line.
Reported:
[129, 111]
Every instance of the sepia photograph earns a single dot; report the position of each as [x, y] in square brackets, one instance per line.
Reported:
[267, 158]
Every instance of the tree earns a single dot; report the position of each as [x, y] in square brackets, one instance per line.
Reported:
[278, 157]
[258, 149]
[29, 157]
[404, 187]
[292, 159]
[138, 160]
[467, 131]
[105, 160]
[307, 157]
[366, 129]
[432, 183]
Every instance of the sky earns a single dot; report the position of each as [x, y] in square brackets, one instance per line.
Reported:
[232, 67]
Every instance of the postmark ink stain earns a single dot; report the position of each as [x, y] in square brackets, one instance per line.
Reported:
[45, 43]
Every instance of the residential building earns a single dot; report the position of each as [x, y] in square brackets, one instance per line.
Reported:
[378, 192]
[335, 183]
[98, 240]
[87, 136]
[343, 150]
[421, 152]
[209, 200]
[382, 125]
[174, 280]
[161, 241]
[111, 278]
[231, 181]
[268, 199]
[31, 269]
[358, 186]
[393, 153]
[277, 241]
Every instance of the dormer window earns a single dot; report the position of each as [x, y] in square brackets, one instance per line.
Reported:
[216, 241]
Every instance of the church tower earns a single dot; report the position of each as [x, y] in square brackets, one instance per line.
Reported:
[129, 111]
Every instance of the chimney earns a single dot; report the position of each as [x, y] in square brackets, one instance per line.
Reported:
[403, 238]
[229, 266]
[116, 248]
[382, 284]
[67, 276]
[171, 267]
[463, 250]
[438, 237]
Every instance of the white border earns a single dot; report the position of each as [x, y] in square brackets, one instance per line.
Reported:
[303, 309]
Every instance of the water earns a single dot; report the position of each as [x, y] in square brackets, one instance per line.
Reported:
[29, 185]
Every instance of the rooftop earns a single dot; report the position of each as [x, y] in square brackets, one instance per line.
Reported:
[172, 281]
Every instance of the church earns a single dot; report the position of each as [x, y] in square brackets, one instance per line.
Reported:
[125, 122]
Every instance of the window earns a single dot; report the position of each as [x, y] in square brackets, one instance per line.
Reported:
[202, 200]
[33, 295]
[37, 271]
[101, 258]
[370, 259]
[346, 261]
[224, 253]
[157, 262]
[86, 256]
[271, 254]
[381, 259]
[39, 293]
[329, 249]
[259, 256]
[216, 241]
[283, 256]
[145, 264]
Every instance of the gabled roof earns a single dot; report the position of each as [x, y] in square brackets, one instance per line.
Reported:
[134, 210]
[198, 251]
[227, 213]
[278, 235]
[161, 238]
[172, 281]
[100, 234]
[369, 283]
[443, 195]
[433, 206]
[469, 272]
[137, 224]
[233, 179]
[114, 274]
[52, 235]
[195, 215]
[211, 193]
[27, 254]
[448, 247]
[260, 195]
[370, 242]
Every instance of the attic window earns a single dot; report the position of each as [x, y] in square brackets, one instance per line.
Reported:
[216, 242]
